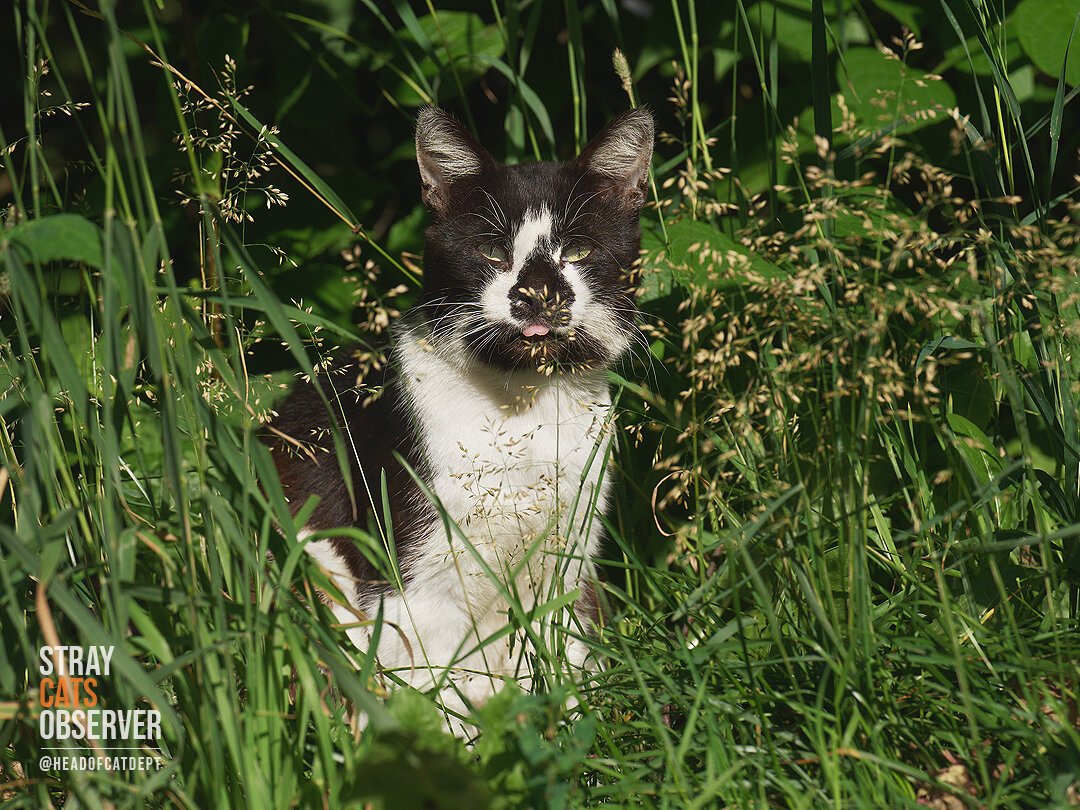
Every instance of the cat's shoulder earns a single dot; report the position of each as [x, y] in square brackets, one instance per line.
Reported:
[352, 386]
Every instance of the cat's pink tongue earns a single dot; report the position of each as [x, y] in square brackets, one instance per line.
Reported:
[535, 330]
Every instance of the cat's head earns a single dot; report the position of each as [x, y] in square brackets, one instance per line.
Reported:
[532, 266]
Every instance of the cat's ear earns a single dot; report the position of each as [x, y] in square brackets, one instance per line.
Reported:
[621, 153]
[445, 153]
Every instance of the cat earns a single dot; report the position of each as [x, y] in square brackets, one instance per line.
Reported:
[484, 454]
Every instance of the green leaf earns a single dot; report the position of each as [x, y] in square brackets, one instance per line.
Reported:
[957, 56]
[412, 771]
[883, 92]
[457, 38]
[528, 95]
[820, 74]
[1055, 114]
[1068, 508]
[1043, 28]
[947, 342]
[864, 210]
[907, 13]
[794, 31]
[794, 27]
[698, 254]
[63, 236]
[975, 448]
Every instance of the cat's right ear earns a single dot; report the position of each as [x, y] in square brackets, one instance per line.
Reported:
[445, 153]
[621, 154]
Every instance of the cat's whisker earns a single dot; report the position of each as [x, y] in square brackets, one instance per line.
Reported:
[569, 200]
[582, 204]
[500, 216]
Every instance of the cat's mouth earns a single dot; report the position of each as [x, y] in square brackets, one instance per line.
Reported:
[536, 345]
[534, 330]
[538, 336]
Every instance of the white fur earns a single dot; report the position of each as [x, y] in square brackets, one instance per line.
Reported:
[338, 572]
[625, 150]
[536, 233]
[495, 298]
[533, 233]
[587, 312]
[518, 471]
[438, 140]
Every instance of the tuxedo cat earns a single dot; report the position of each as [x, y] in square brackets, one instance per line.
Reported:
[481, 463]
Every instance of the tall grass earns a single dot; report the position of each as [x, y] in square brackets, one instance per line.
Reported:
[842, 566]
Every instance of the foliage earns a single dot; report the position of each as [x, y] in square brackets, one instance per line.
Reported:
[843, 565]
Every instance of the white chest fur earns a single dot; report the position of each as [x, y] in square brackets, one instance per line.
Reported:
[510, 463]
[516, 469]
[516, 464]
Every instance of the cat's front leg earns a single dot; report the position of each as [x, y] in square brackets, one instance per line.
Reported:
[581, 622]
[440, 643]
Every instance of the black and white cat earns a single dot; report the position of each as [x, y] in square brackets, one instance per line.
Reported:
[497, 401]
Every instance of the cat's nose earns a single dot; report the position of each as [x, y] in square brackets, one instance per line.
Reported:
[541, 295]
[545, 303]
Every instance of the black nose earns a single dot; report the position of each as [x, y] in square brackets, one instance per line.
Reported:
[541, 294]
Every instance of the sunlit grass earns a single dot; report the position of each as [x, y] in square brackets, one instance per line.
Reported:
[841, 567]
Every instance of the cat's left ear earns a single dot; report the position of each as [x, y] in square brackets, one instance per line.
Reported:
[622, 152]
[445, 153]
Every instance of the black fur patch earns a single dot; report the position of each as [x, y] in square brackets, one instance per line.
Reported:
[376, 427]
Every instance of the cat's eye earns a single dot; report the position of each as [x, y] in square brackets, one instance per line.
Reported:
[494, 253]
[575, 252]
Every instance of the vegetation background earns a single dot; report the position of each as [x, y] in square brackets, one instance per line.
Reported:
[843, 566]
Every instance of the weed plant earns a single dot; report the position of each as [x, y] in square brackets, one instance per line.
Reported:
[842, 566]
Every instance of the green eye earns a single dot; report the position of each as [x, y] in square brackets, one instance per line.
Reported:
[494, 254]
[575, 253]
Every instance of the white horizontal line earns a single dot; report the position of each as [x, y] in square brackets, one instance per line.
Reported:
[100, 748]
